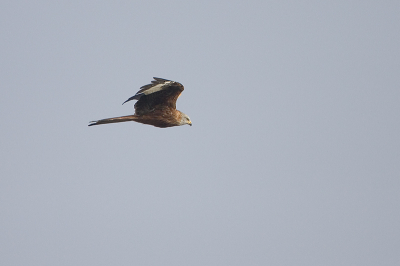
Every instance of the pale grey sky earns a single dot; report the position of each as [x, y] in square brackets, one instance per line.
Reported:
[293, 157]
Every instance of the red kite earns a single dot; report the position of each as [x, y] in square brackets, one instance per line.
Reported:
[156, 106]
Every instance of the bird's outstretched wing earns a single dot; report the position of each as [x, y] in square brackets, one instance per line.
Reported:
[159, 94]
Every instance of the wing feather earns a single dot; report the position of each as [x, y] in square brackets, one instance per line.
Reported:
[159, 94]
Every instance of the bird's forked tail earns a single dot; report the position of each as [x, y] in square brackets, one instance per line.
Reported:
[113, 120]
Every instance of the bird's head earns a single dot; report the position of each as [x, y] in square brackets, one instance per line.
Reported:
[185, 120]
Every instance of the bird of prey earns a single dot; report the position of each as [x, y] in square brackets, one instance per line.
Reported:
[156, 106]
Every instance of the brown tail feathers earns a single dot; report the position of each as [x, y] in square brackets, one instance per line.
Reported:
[113, 120]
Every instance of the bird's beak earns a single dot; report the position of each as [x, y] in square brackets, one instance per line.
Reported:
[190, 123]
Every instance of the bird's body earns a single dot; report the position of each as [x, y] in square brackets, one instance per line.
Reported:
[156, 106]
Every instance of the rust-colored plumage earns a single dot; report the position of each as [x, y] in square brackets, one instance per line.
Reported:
[156, 106]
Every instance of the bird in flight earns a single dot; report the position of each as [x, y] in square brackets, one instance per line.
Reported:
[156, 106]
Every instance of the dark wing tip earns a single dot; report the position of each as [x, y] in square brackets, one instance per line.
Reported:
[161, 79]
[134, 97]
[127, 101]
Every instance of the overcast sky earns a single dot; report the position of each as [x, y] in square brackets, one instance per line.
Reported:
[293, 157]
